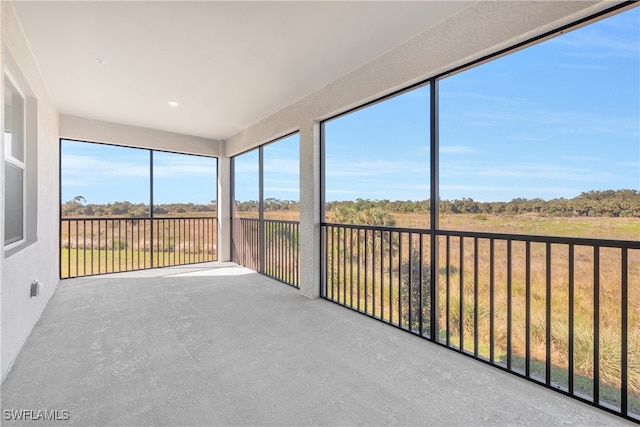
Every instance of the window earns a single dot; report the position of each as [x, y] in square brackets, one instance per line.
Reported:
[266, 198]
[14, 165]
[102, 180]
[281, 175]
[545, 140]
[377, 163]
[184, 185]
[125, 208]
[246, 185]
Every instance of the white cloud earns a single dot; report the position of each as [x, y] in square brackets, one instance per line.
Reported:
[364, 167]
[581, 66]
[172, 165]
[584, 43]
[628, 164]
[342, 192]
[94, 169]
[283, 189]
[492, 193]
[545, 171]
[529, 138]
[422, 187]
[582, 159]
[281, 166]
[287, 182]
[457, 149]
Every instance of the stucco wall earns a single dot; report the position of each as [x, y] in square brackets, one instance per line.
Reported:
[38, 260]
[90, 130]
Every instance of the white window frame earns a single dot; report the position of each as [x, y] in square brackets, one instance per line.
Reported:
[22, 164]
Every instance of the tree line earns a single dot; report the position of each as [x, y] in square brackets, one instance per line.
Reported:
[75, 207]
[607, 203]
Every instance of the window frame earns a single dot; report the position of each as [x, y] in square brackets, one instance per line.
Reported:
[9, 158]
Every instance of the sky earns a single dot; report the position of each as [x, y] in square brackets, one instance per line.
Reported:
[105, 174]
[281, 171]
[549, 121]
[552, 120]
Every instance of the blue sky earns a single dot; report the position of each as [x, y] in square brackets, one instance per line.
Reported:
[281, 171]
[105, 174]
[552, 120]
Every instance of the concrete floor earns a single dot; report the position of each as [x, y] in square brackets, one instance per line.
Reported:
[225, 346]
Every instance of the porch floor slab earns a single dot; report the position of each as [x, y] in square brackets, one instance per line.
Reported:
[226, 346]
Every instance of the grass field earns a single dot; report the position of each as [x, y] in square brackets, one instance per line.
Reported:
[591, 227]
[106, 245]
[85, 262]
[597, 227]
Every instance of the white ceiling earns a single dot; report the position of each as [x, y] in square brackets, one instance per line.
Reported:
[228, 64]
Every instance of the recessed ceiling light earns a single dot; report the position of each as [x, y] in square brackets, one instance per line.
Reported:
[173, 103]
[100, 61]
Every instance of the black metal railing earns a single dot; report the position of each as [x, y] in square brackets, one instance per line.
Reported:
[563, 312]
[90, 246]
[281, 251]
[268, 246]
[245, 246]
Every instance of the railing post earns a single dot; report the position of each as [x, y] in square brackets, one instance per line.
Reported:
[261, 238]
[233, 228]
[624, 359]
[151, 204]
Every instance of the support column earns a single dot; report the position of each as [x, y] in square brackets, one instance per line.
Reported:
[435, 205]
[310, 187]
[224, 208]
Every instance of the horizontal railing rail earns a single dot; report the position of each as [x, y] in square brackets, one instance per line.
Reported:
[614, 243]
[561, 311]
[268, 246]
[100, 245]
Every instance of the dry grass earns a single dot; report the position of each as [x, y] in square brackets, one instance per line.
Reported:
[104, 246]
[609, 281]
[597, 227]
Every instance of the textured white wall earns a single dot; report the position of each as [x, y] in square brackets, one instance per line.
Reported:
[2, 363]
[224, 209]
[309, 209]
[90, 130]
[39, 260]
[482, 29]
